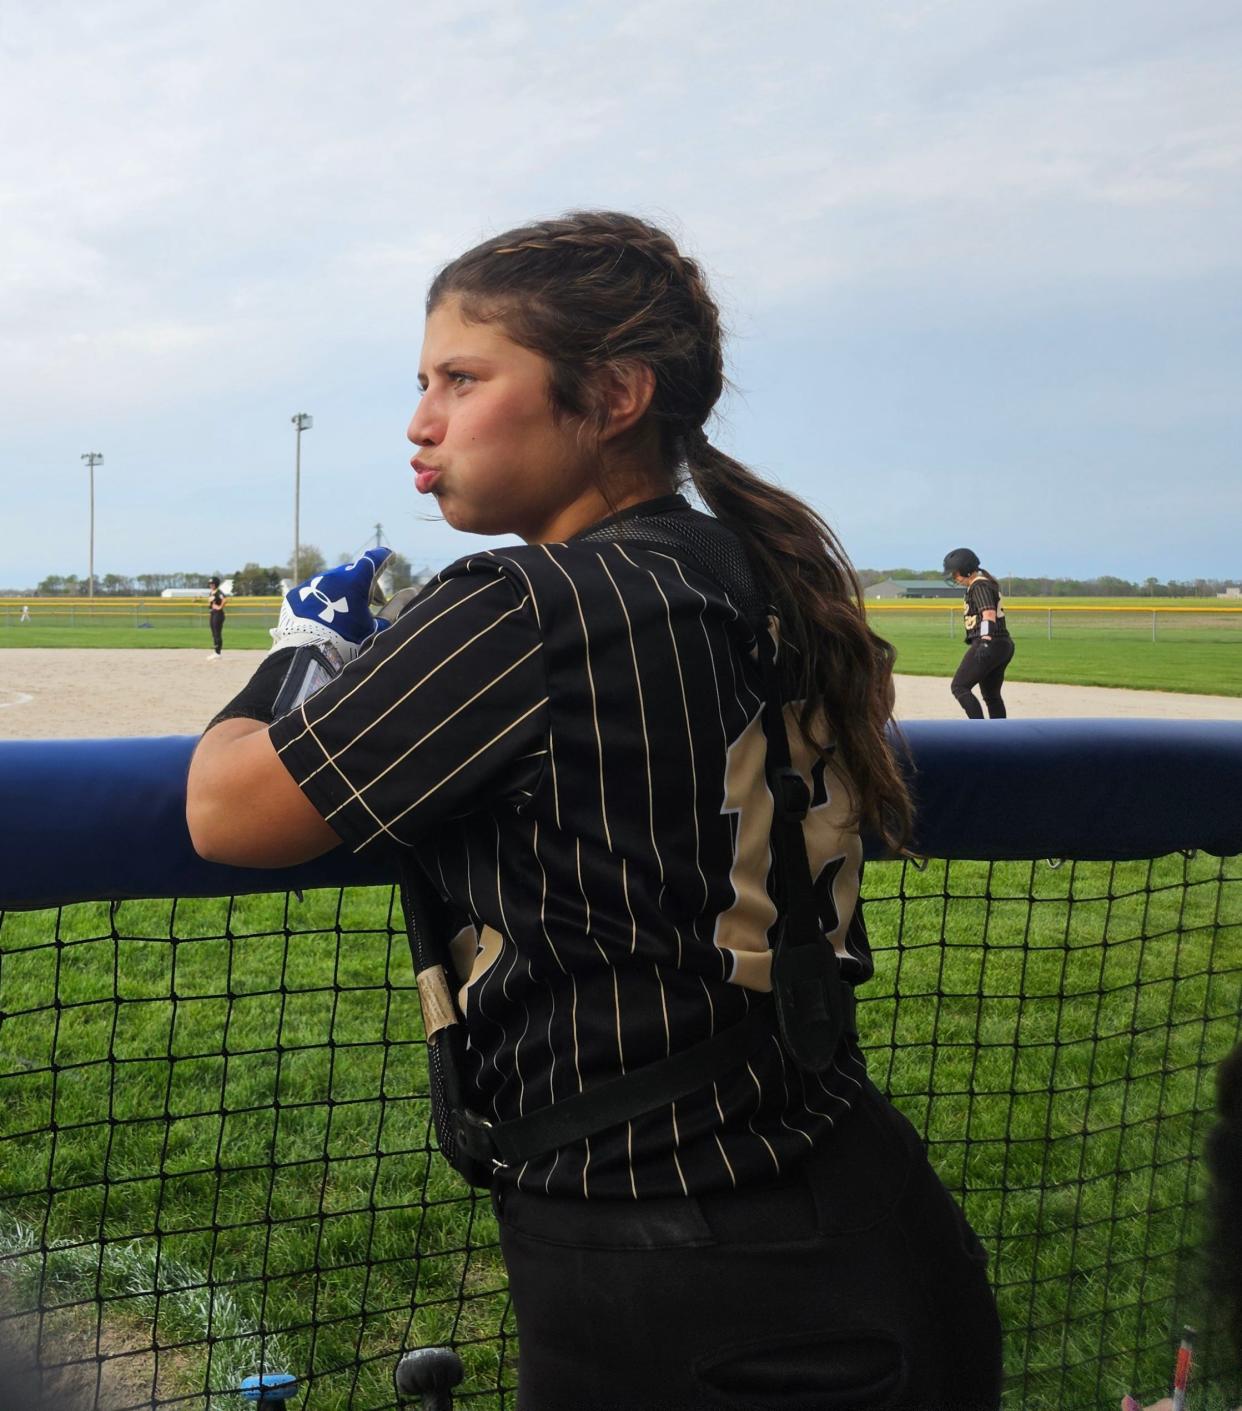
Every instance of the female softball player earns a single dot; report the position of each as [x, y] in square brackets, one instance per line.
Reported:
[215, 607]
[633, 755]
[989, 647]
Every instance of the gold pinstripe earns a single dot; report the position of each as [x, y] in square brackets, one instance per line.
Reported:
[629, 905]
[517, 567]
[573, 1024]
[543, 901]
[789, 1127]
[382, 826]
[452, 774]
[586, 651]
[517, 1047]
[642, 710]
[681, 1175]
[401, 700]
[694, 775]
[720, 1145]
[394, 655]
[750, 1121]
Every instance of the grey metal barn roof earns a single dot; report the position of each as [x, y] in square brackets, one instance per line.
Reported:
[913, 588]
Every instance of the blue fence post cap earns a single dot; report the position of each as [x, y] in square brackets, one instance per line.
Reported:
[270, 1387]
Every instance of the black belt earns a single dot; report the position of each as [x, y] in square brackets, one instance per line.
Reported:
[617, 1100]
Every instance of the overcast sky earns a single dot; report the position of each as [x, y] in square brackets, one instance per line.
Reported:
[981, 259]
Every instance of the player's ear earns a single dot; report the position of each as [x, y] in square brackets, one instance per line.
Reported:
[624, 391]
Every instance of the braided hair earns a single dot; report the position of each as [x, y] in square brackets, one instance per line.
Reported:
[596, 291]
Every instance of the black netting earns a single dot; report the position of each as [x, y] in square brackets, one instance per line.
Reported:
[217, 1150]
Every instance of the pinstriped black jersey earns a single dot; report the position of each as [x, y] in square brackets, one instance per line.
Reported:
[983, 595]
[569, 737]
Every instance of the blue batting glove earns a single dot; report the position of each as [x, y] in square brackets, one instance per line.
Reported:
[333, 610]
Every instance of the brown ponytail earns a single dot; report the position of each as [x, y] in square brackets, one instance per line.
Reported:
[599, 289]
[844, 668]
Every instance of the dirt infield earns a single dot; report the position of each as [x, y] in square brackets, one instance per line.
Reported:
[58, 693]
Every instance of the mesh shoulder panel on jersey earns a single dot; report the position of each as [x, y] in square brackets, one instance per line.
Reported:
[702, 542]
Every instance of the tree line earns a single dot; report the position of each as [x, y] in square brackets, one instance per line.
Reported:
[258, 580]
[1105, 586]
[251, 580]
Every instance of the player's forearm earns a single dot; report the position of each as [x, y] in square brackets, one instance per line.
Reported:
[243, 808]
[242, 805]
[207, 797]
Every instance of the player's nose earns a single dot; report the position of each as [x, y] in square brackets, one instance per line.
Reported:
[425, 427]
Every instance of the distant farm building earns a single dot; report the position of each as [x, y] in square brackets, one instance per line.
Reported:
[226, 587]
[912, 588]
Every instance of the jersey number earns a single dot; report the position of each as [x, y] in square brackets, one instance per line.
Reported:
[834, 850]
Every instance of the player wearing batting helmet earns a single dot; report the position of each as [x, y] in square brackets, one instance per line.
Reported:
[622, 769]
[989, 647]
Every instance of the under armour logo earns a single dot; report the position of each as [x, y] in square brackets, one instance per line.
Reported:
[331, 606]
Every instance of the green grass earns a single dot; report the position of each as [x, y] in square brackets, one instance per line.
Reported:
[1141, 604]
[243, 636]
[1052, 1033]
[1190, 653]
[1056, 1051]
[169, 1115]
[246, 626]
[1196, 652]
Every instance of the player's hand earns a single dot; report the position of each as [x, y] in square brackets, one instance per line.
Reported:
[333, 610]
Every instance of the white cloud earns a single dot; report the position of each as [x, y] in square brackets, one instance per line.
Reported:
[211, 200]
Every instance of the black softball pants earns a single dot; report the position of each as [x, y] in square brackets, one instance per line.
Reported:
[217, 631]
[983, 666]
[856, 1283]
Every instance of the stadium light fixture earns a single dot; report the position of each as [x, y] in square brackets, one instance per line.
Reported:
[303, 421]
[92, 459]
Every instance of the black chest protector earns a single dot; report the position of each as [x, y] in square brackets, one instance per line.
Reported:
[811, 1007]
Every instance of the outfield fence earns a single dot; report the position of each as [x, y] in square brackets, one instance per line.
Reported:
[215, 1140]
[1205, 620]
[1202, 622]
[130, 612]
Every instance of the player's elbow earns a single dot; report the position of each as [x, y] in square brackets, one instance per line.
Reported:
[206, 821]
[209, 804]
[243, 808]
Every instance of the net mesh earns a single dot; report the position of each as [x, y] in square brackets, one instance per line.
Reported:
[218, 1159]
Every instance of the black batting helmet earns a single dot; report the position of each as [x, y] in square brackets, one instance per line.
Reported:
[963, 561]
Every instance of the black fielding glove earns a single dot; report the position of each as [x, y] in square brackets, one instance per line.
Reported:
[257, 698]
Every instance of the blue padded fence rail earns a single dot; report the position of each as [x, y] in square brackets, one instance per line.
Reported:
[84, 820]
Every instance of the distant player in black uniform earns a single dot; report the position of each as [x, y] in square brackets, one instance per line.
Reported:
[576, 740]
[215, 607]
[989, 647]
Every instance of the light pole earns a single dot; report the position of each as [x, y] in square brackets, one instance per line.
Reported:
[303, 421]
[92, 459]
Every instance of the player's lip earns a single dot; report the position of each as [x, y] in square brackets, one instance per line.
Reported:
[425, 476]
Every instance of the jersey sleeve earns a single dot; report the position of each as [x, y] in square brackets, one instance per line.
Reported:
[445, 713]
[982, 597]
